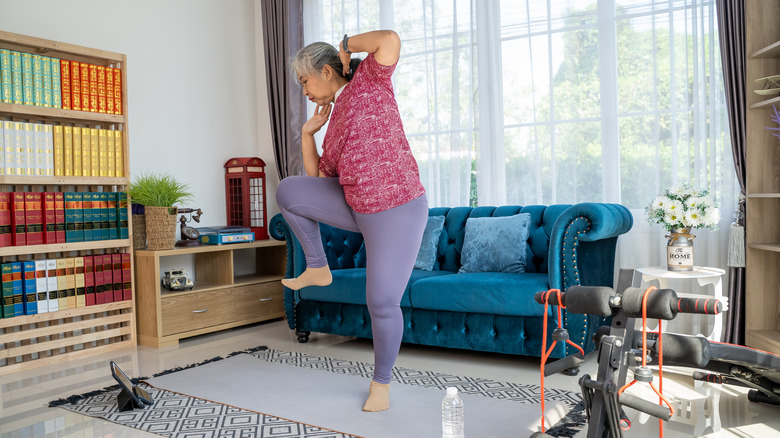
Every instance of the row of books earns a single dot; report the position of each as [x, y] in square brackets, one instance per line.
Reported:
[30, 79]
[36, 149]
[38, 218]
[41, 286]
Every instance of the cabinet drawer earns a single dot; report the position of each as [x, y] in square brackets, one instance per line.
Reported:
[194, 311]
[259, 300]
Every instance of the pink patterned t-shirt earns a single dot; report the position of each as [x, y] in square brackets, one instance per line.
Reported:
[365, 145]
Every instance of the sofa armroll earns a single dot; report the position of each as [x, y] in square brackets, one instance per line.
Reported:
[582, 252]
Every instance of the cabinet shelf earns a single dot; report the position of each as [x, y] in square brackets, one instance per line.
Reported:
[63, 247]
[768, 52]
[774, 247]
[766, 103]
[43, 113]
[764, 195]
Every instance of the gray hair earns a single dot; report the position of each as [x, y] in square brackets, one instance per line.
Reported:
[310, 60]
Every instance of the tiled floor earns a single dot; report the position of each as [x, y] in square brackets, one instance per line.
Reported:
[24, 396]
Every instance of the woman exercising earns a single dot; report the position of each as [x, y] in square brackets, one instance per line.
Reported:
[366, 181]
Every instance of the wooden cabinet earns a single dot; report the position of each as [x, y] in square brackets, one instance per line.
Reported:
[762, 312]
[221, 297]
[45, 338]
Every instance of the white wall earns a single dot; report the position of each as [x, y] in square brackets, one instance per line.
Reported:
[196, 91]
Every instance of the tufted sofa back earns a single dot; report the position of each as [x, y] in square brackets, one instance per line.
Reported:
[345, 249]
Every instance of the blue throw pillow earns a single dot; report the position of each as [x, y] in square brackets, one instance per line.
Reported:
[495, 244]
[430, 241]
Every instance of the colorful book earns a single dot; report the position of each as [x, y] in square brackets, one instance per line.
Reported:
[40, 152]
[51, 284]
[70, 281]
[62, 286]
[2, 148]
[6, 80]
[103, 152]
[86, 209]
[105, 225]
[94, 154]
[48, 149]
[127, 278]
[33, 217]
[108, 278]
[65, 83]
[7, 308]
[123, 230]
[93, 88]
[78, 266]
[119, 155]
[86, 152]
[100, 296]
[9, 142]
[56, 83]
[101, 88]
[29, 291]
[59, 150]
[29, 149]
[111, 225]
[118, 91]
[110, 154]
[75, 86]
[41, 286]
[68, 150]
[59, 216]
[18, 226]
[20, 153]
[84, 86]
[48, 99]
[37, 76]
[17, 94]
[89, 281]
[109, 90]
[16, 272]
[77, 150]
[28, 87]
[5, 221]
[49, 219]
[118, 279]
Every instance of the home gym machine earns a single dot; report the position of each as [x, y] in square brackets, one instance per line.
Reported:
[622, 347]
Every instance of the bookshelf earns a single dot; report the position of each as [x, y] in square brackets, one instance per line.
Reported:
[222, 297]
[41, 339]
[762, 299]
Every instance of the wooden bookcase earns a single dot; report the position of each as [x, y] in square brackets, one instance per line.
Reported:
[221, 299]
[46, 338]
[762, 312]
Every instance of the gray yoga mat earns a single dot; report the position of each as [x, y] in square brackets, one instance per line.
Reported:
[334, 401]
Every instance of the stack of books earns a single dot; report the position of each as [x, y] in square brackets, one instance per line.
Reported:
[38, 218]
[40, 286]
[36, 149]
[31, 79]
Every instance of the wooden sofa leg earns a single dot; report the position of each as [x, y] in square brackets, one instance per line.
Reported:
[303, 336]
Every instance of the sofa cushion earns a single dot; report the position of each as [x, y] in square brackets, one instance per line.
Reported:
[349, 287]
[496, 293]
[426, 257]
[495, 244]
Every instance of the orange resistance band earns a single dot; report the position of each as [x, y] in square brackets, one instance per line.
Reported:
[546, 354]
[661, 398]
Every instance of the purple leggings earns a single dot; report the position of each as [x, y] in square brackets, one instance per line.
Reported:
[392, 238]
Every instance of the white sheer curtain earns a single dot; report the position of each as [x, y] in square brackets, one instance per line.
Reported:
[558, 101]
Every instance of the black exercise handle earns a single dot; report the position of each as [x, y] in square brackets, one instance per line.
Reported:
[656, 410]
[591, 300]
[708, 306]
[570, 361]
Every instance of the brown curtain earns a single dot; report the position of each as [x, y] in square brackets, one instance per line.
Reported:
[731, 26]
[283, 35]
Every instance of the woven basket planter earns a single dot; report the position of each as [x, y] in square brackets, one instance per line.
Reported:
[160, 228]
[139, 231]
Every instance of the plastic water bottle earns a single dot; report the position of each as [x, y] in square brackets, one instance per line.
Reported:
[452, 415]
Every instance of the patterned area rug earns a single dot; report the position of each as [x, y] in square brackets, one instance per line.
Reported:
[179, 415]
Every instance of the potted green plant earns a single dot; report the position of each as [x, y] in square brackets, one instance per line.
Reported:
[160, 194]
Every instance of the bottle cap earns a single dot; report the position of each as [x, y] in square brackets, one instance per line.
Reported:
[452, 390]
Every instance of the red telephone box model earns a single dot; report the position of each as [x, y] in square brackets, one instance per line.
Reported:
[245, 194]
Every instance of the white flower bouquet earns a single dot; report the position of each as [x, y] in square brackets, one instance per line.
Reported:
[683, 207]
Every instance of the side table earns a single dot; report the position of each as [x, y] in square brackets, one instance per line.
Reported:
[703, 275]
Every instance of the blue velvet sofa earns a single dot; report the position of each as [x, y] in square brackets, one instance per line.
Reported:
[484, 311]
